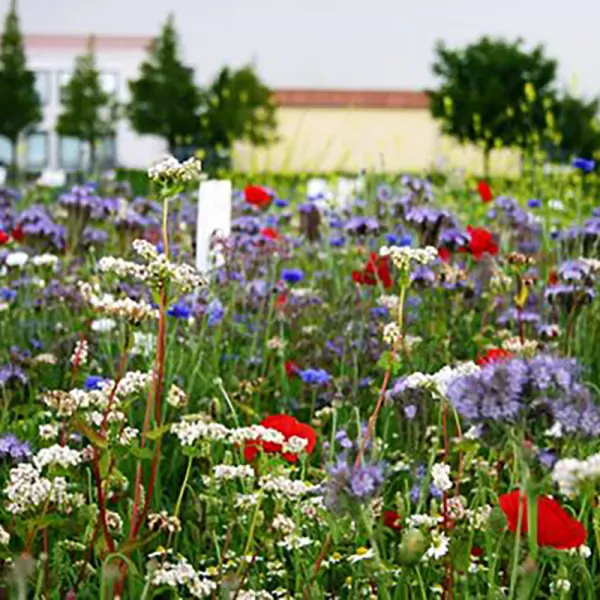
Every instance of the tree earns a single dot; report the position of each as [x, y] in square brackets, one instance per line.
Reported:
[164, 99]
[237, 106]
[492, 93]
[575, 122]
[88, 113]
[20, 106]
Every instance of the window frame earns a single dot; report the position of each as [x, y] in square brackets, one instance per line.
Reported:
[47, 98]
[46, 144]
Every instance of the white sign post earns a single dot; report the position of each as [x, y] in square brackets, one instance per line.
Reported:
[2, 176]
[214, 219]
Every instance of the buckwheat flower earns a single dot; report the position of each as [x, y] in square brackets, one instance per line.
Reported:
[361, 554]
[440, 544]
[26, 488]
[176, 397]
[285, 488]
[295, 445]
[231, 472]
[170, 170]
[57, 455]
[80, 353]
[114, 521]
[391, 333]
[143, 344]
[4, 537]
[16, 259]
[560, 585]
[163, 522]
[49, 431]
[45, 359]
[44, 260]
[103, 325]
[389, 301]
[128, 435]
[440, 473]
[283, 524]
[403, 257]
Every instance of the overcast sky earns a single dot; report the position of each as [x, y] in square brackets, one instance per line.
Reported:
[337, 43]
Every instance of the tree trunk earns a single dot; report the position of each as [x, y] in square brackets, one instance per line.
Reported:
[486, 162]
[92, 144]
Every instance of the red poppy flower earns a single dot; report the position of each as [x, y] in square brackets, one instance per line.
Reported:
[555, 528]
[481, 242]
[444, 254]
[493, 355]
[377, 269]
[291, 368]
[288, 427]
[3, 238]
[485, 191]
[269, 233]
[552, 277]
[281, 301]
[18, 234]
[391, 519]
[259, 196]
[476, 551]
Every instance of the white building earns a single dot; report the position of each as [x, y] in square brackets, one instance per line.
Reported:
[52, 57]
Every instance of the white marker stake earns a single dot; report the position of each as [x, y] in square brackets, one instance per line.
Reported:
[2, 176]
[214, 217]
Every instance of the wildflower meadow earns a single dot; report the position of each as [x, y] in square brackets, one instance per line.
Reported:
[391, 394]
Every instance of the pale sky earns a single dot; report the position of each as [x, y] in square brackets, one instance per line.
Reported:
[337, 43]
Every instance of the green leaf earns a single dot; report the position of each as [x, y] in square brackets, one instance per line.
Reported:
[95, 438]
[157, 433]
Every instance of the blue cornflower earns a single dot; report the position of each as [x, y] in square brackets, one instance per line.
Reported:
[292, 275]
[93, 382]
[215, 312]
[436, 492]
[281, 202]
[180, 310]
[315, 376]
[534, 203]
[7, 295]
[584, 164]
[337, 240]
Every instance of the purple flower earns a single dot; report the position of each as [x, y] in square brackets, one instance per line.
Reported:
[180, 310]
[292, 275]
[11, 447]
[93, 382]
[10, 374]
[215, 312]
[584, 164]
[410, 411]
[316, 377]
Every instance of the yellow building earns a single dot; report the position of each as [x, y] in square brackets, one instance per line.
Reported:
[332, 130]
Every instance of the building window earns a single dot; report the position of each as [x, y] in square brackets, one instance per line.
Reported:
[42, 86]
[109, 82]
[5, 152]
[106, 153]
[70, 153]
[36, 151]
[63, 79]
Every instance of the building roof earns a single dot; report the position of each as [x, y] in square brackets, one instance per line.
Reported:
[352, 98]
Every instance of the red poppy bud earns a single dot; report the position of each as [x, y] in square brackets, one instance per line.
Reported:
[485, 192]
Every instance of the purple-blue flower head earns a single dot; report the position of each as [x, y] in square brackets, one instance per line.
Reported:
[316, 377]
[584, 164]
[93, 382]
[292, 275]
[13, 448]
[215, 312]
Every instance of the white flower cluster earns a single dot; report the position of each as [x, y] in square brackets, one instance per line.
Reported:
[16, 259]
[440, 544]
[440, 473]
[570, 473]
[284, 487]
[191, 429]
[169, 169]
[294, 542]
[57, 455]
[103, 325]
[526, 348]
[176, 397]
[4, 537]
[253, 595]
[126, 308]
[162, 521]
[230, 472]
[181, 573]
[403, 257]
[479, 517]
[391, 333]
[80, 353]
[44, 260]
[143, 343]
[389, 301]
[283, 524]
[295, 445]
[28, 490]
[440, 380]
[592, 263]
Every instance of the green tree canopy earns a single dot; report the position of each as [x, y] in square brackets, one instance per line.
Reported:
[20, 106]
[492, 92]
[577, 128]
[88, 113]
[165, 101]
[237, 106]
